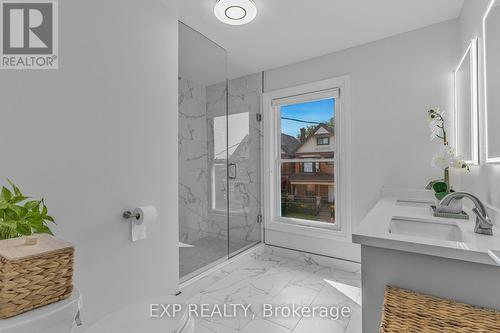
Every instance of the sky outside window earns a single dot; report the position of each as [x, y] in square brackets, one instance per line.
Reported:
[306, 114]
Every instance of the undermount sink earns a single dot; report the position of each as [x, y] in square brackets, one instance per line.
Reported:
[414, 203]
[425, 228]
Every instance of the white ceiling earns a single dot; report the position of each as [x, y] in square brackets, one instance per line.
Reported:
[289, 31]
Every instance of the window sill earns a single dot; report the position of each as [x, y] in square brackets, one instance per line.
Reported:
[299, 227]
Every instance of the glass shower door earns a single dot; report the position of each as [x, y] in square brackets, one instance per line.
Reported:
[219, 157]
[244, 162]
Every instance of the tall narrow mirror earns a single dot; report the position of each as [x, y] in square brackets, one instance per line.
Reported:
[466, 115]
[491, 34]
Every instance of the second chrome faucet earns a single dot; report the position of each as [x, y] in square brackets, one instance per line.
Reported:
[484, 225]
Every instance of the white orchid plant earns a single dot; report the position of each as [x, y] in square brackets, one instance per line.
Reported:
[446, 158]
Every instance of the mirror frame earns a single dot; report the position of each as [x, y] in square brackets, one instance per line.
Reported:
[489, 159]
[473, 68]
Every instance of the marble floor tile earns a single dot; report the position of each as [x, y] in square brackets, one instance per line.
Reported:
[355, 323]
[319, 325]
[269, 279]
[202, 329]
[216, 323]
[261, 326]
[292, 294]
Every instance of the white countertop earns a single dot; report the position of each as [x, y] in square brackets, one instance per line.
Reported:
[374, 231]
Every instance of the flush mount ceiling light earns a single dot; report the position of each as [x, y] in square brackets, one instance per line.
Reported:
[235, 12]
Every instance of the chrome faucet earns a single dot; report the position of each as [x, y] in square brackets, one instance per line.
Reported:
[483, 222]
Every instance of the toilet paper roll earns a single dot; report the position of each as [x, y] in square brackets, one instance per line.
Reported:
[146, 215]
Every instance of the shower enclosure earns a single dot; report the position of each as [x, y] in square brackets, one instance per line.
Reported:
[219, 156]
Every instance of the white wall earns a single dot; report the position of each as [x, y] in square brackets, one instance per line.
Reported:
[393, 82]
[99, 136]
[483, 180]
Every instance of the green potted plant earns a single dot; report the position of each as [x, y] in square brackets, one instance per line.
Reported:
[20, 216]
[35, 270]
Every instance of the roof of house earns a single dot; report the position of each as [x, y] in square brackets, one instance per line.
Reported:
[288, 143]
[329, 130]
[327, 127]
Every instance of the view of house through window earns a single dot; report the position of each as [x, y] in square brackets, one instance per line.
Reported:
[307, 160]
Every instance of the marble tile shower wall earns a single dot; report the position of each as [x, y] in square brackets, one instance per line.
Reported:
[193, 163]
[202, 156]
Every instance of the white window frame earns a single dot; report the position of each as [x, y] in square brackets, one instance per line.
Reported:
[271, 149]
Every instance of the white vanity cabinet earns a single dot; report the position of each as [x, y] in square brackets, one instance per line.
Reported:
[452, 266]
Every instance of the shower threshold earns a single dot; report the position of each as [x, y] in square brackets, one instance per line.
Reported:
[192, 259]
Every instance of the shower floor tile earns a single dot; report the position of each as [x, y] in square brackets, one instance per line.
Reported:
[269, 279]
[204, 251]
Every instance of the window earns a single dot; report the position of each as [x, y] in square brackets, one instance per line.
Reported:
[280, 165]
[308, 167]
[306, 172]
[323, 141]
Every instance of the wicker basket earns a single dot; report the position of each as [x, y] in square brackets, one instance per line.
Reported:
[34, 271]
[407, 311]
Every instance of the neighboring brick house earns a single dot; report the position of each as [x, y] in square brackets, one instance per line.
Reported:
[310, 179]
[288, 146]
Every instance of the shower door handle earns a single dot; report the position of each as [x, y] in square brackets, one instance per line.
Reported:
[233, 171]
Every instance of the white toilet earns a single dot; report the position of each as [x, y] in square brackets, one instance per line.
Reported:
[64, 316]
[136, 318]
[59, 317]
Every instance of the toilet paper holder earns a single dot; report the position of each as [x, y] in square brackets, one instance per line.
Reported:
[139, 218]
[130, 215]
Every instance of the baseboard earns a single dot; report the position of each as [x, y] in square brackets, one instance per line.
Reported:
[315, 259]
